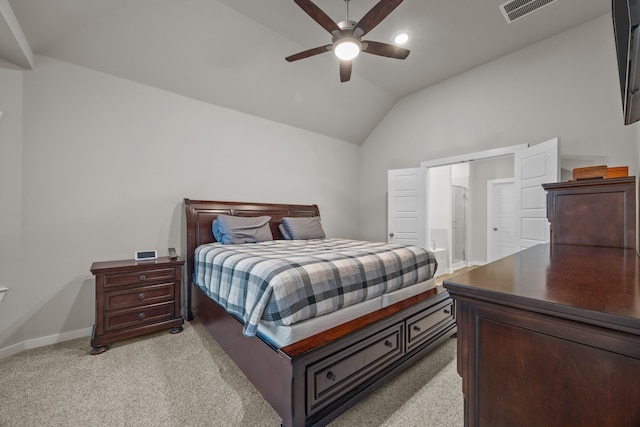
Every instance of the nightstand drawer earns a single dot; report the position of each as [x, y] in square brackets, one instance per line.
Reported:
[140, 277]
[136, 297]
[139, 316]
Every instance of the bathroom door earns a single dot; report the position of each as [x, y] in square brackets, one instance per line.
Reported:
[500, 218]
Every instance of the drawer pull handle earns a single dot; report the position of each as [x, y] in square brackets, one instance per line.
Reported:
[388, 343]
[143, 277]
[331, 376]
[447, 311]
[141, 315]
[141, 295]
[416, 328]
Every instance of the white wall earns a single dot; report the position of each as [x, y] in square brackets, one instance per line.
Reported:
[11, 204]
[565, 86]
[96, 166]
[107, 162]
[439, 203]
[439, 208]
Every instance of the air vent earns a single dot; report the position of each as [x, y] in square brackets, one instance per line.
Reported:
[516, 9]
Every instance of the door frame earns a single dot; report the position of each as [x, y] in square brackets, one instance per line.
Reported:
[479, 155]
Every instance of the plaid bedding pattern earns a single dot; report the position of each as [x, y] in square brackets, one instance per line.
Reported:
[285, 281]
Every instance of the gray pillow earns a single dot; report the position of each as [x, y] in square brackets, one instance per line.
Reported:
[238, 229]
[302, 228]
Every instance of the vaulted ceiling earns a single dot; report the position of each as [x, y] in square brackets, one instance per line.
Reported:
[231, 52]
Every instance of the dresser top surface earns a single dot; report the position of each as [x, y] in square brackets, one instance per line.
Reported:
[131, 264]
[590, 183]
[601, 284]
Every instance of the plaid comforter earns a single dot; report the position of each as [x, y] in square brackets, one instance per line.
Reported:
[285, 281]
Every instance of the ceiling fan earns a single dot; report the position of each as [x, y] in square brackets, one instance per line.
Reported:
[347, 35]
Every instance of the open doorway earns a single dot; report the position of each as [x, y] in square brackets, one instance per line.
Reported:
[457, 208]
[420, 201]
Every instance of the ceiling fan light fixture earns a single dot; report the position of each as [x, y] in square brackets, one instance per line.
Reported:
[347, 48]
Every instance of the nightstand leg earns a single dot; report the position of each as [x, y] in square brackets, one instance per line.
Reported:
[176, 329]
[99, 349]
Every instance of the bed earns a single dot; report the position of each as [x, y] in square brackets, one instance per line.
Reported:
[313, 378]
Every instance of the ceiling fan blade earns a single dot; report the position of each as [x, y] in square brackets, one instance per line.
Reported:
[318, 15]
[345, 71]
[375, 16]
[384, 49]
[308, 53]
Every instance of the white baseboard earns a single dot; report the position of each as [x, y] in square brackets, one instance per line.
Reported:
[477, 263]
[42, 341]
[11, 350]
[451, 270]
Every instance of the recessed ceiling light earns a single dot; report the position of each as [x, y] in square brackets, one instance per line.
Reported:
[401, 38]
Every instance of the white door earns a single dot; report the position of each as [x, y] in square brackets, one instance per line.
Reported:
[407, 206]
[534, 166]
[500, 218]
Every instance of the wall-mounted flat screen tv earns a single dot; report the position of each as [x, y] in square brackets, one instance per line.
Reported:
[626, 20]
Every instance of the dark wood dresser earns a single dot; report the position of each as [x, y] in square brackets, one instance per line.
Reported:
[550, 336]
[135, 298]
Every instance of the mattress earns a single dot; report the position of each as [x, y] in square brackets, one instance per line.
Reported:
[281, 336]
[283, 282]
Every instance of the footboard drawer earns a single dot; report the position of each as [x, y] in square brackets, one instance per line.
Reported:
[341, 372]
[424, 325]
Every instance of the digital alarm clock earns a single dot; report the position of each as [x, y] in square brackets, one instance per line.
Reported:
[146, 255]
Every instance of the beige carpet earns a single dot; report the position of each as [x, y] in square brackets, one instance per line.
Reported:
[187, 380]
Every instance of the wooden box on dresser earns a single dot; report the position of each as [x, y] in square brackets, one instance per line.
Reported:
[135, 298]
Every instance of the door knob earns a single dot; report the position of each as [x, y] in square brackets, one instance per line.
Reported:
[390, 234]
[495, 229]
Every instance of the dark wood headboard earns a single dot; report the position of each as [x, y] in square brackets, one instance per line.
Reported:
[201, 213]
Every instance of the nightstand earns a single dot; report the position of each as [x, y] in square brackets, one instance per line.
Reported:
[135, 298]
